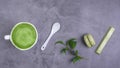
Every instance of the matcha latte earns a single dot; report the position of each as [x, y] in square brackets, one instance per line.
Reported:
[24, 35]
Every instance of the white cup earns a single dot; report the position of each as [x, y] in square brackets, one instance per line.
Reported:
[8, 37]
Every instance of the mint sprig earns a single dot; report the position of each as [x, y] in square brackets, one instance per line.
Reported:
[70, 47]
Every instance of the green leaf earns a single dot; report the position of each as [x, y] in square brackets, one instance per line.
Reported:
[72, 43]
[76, 58]
[76, 52]
[67, 43]
[60, 42]
[64, 50]
[69, 46]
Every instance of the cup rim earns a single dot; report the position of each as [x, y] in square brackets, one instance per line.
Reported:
[31, 45]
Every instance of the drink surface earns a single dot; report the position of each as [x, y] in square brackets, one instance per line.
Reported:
[24, 35]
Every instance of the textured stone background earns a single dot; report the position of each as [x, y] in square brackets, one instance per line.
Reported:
[76, 17]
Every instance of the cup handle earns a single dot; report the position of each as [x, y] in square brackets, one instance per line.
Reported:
[7, 37]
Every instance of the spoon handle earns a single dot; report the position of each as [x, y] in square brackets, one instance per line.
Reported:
[46, 42]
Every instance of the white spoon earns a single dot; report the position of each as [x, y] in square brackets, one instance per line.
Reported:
[55, 28]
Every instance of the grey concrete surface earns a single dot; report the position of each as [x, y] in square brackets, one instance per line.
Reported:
[76, 17]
